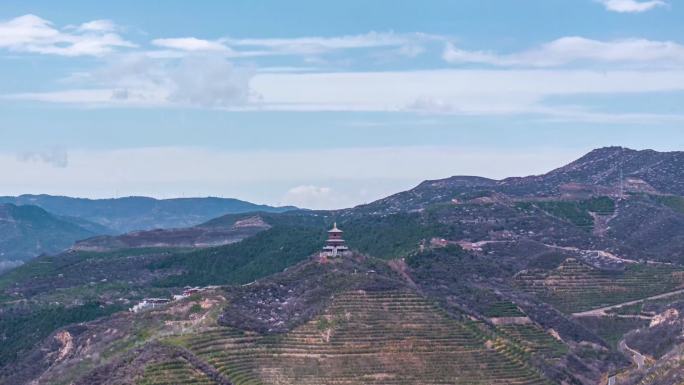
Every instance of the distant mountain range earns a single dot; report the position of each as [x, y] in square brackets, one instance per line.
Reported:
[204, 235]
[31, 225]
[122, 215]
[27, 231]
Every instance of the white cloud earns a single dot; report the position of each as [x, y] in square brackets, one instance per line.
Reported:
[579, 50]
[191, 44]
[318, 45]
[6, 265]
[30, 33]
[455, 91]
[98, 26]
[473, 92]
[56, 157]
[312, 197]
[208, 81]
[202, 80]
[631, 6]
[407, 45]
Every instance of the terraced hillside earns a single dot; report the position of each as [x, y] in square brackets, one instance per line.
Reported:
[535, 340]
[174, 371]
[387, 337]
[575, 287]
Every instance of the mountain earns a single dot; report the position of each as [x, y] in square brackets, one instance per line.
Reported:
[563, 278]
[606, 169]
[28, 231]
[204, 235]
[123, 215]
[349, 321]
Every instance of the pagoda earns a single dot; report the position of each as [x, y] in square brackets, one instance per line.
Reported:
[335, 245]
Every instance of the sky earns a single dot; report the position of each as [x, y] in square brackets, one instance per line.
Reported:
[326, 104]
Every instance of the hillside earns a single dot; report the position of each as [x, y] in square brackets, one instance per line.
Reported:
[545, 277]
[28, 231]
[351, 321]
[205, 235]
[605, 169]
[124, 215]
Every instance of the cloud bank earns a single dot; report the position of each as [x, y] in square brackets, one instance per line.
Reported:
[579, 50]
[32, 34]
[631, 6]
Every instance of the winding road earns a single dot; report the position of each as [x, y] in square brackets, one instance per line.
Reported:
[602, 311]
[638, 358]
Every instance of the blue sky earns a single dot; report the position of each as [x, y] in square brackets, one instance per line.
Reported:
[326, 104]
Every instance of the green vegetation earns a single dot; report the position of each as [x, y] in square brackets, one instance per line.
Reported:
[673, 202]
[575, 212]
[535, 340]
[292, 239]
[547, 261]
[634, 309]
[612, 329]
[174, 371]
[23, 328]
[452, 263]
[195, 308]
[28, 231]
[392, 337]
[388, 236]
[431, 256]
[502, 309]
[48, 266]
[575, 287]
[266, 253]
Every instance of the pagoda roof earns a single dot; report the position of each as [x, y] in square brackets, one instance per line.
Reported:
[335, 229]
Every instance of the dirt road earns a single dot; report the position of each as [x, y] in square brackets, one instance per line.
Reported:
[602, 311]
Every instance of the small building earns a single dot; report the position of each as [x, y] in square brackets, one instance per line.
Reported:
[188, 291]
[149, 303]
[335, 245]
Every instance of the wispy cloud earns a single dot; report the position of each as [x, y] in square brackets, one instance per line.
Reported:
[313, 197]
[191, 44]
[101, 25]
[56, 157]
[464, 92]
[405, 44]
[30, 33]
[317, 45]
[631, 6]
[576, 50]
[198, 80]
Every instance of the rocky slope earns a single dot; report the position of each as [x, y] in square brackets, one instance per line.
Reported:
[605, 171]
[347, 321]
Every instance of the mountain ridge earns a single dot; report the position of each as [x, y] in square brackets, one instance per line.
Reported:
[27, 231]
[141, 213]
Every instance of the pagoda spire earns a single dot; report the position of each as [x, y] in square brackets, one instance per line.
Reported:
[335, 245]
